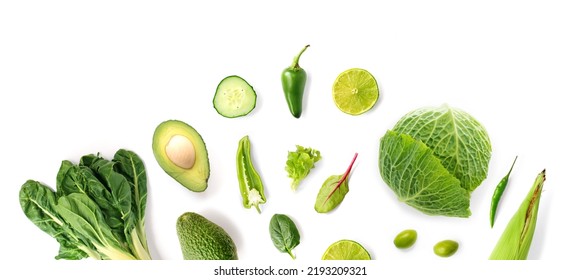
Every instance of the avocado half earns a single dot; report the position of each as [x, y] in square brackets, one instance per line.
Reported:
[181, 153]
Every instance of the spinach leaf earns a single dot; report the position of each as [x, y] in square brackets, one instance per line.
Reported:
[284, 234]
[328, 198]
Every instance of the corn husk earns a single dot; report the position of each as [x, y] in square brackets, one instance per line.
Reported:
[515, 242]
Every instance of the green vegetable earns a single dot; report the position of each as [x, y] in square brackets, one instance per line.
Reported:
[181, 152]
[234, 97]
[405, 239]
[498, 193]
[333, 191]
[299, 163]
[293, 84]
[433, 158]
[97, 210]
[202, 239]
[516, 240]
[284, 234]
[251, 187]
[445, 248]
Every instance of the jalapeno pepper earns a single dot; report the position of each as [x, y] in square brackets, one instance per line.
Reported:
[293, 83]
[251, 186]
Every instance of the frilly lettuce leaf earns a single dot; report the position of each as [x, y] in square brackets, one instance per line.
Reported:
[299, 163]
[433, 159]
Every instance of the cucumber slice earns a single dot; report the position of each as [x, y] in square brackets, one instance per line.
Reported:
[234, 97]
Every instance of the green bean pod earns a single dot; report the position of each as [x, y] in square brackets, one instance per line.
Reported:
[498, 193]
[251, 187]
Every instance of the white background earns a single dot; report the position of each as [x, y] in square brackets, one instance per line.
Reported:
[79, 78]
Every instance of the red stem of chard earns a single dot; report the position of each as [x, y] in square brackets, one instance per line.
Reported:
[342, 179]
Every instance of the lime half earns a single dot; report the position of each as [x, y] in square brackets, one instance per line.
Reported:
[355, 91]
[346, 250]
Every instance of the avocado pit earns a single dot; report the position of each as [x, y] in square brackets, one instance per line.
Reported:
[180, 151]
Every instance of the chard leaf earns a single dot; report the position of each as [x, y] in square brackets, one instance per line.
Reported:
[115, 188]
[284, 233]
[419, 179]
[328, 198]
[457, 139]
[82, 179]
[130, 165]
[70, 251]
[38, 203]
[86, 219]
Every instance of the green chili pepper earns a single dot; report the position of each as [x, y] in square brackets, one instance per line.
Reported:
[251, 186]
[498, 193]
[293, 83]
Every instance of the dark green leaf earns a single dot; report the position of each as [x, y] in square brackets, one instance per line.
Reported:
[70, 251]
[132, 167]
[38, 202]
[284, 233]
[119, 189]
[83, 179]
[85, 218]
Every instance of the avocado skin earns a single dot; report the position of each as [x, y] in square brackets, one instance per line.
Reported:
[194, 179]
[202, 239]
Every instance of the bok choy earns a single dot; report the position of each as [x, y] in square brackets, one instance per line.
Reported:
[97, 210]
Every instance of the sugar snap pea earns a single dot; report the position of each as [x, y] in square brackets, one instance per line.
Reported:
[498, 193]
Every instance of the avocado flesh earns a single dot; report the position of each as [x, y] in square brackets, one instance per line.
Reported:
[202, 239]
[194, 178]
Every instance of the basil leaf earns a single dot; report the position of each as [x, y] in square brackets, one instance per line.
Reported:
[326, 200]
[284, 234]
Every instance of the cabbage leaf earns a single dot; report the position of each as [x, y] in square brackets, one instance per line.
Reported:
[433, 158]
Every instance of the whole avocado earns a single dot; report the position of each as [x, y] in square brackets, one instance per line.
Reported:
[202, 239]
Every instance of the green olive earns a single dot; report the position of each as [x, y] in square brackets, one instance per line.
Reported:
[445, 248]
[405, 239]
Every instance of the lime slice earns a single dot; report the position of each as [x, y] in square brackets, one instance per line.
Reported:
[346, 250]
[355, 91]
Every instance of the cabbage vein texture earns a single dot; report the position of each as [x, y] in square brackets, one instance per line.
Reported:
[433, 158]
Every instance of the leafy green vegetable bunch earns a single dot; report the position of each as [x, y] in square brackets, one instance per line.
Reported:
[97, 210]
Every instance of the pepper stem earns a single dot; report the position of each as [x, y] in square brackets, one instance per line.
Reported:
[297, 58]
[510, 172]
[258, 208]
